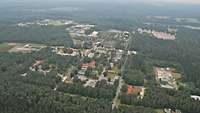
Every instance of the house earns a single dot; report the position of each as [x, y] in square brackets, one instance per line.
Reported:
[92, 64]
[133, 90]
[66, 52]
[118, 56]
[82, 72]
[167, 86]
[81, 75]
[82, 78]
[94, 34]
[111, 65]
[37, 63]
[91, 55]
[138, 90]
[98, 44]
[101, 50]
[86, 52]
[90, 83]
[126, 34]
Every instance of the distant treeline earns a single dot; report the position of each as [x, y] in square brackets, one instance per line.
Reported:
[35, 34]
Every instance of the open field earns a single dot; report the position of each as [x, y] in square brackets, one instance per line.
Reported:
[111, 76]
[112, 73]
[159, 111]
[25, 48]
[4, 47]
[187, 20]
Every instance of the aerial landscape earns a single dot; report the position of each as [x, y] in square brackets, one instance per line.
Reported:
[99, 56]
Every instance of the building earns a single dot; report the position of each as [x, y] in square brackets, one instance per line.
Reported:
[132, 52]
[133, 90]
[171, 111]
[66, 51]
[195, 97]
[94, 34]
[92, 64]
[137, 90]
[118, 55]
[37, 63]
[163, 74]
[157, 34]
[86, 52]
[82, 72]
[101, 50]
[165, 77]
[82, 78]
[90, 83]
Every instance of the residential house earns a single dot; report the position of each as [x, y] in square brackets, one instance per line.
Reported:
[92, 64]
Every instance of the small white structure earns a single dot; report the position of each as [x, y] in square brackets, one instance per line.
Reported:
[90, 83]
[94, 34]
[195, 97]
[82, 78]
[118, 56]
[171, 111]
[91, 55]
[132, 52]
[23, 75]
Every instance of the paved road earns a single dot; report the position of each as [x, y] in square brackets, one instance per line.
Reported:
[115, 104]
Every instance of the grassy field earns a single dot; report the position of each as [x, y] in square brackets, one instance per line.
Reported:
[159, 111]
[112, 73]
[4, 47]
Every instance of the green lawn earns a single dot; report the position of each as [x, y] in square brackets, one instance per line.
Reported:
[159, 111]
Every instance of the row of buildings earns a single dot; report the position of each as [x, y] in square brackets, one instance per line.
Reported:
[157, 34]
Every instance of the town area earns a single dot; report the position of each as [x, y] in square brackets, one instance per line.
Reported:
[100, 64]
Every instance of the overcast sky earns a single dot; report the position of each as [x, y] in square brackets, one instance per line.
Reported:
[157, 1]
[172, 1]
[122, 1]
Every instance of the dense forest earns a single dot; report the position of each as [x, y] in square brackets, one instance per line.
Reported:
[49, 35]
[35, 92]
[184, 52]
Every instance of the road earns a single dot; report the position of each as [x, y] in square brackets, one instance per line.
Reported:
[101, 77]
[115, 104]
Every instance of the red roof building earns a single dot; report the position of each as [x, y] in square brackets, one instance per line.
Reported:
[133, 90]
[92, 64]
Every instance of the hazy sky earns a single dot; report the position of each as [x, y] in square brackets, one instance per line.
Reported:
[124, 1]
[157, 1]
[173, 1]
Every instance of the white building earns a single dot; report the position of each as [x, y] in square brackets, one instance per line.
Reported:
[195, 97]
[90, 83]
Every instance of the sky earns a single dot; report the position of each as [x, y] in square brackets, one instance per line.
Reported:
[173, 1]
[125, 1]
[157, 1]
